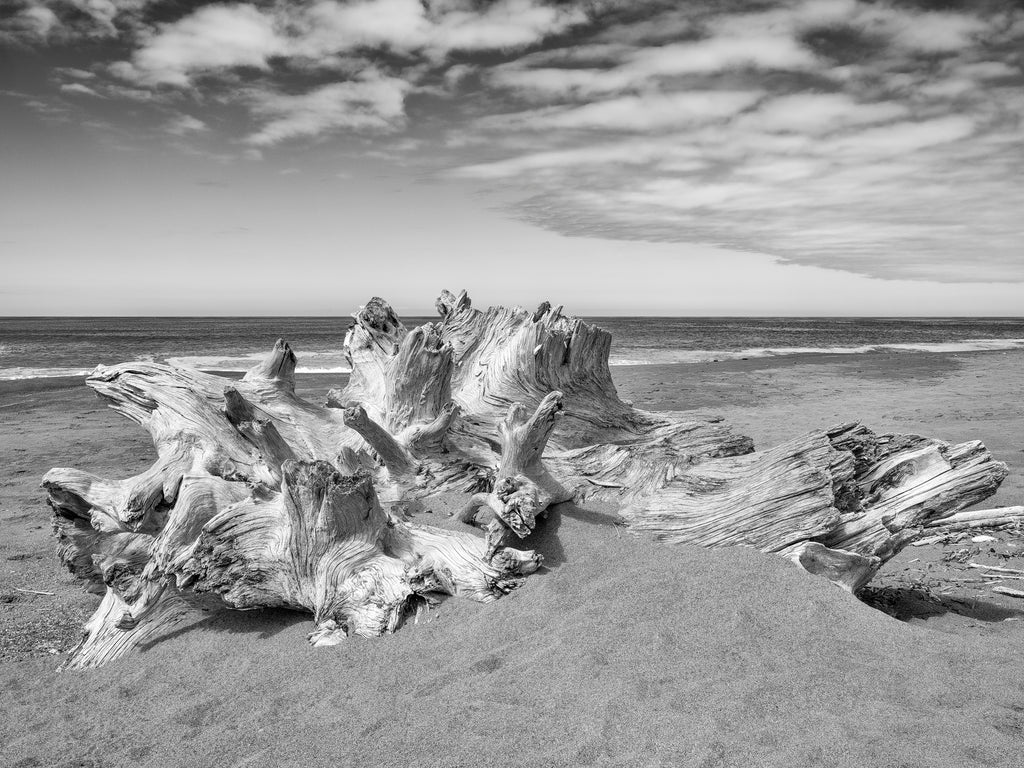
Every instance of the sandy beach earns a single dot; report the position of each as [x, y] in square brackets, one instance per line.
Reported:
[786, 226]
[621, 652]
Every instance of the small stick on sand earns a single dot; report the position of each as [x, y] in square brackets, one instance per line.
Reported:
[998, 568]
[35, 592]
[1008, 591]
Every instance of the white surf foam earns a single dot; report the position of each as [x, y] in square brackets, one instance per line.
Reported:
[16, 374]
[668, 356]
[333, 362]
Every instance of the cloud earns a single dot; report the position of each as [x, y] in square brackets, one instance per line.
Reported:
[561, 82]
[36, 21]
[374, 102]
[332, 27]
[876, 137]
[68, 20]
[78, 74]
[929, 32]
[502, 25]
[78, 88]
[648, 112]
[456, 74]
[607, 155]
[692, 193]
[721, 53]
[643, 66]
[409, 25]
[102, 14]
[986, 70]
[222, 37]
[215, 37]
[822, 112]
[772, 40]
[916, 199]
[183, 125]
[896, 225]
[115, 90]
[338, 38]
[876, 144]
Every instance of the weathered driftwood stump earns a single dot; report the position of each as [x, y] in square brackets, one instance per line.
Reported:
[260, 498]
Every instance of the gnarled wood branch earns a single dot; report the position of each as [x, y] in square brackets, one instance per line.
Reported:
[261, 498]
[523, 486]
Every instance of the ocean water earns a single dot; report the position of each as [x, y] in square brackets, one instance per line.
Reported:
[42, 347]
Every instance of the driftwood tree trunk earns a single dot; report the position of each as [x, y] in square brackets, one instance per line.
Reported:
[523, 486]
[261, 498]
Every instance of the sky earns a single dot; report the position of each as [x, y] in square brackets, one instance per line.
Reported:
[815, 157]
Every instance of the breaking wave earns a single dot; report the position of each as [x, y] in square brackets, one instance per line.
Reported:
[670, 356]
[328, 362]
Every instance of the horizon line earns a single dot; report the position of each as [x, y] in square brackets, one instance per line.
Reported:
[581, 316]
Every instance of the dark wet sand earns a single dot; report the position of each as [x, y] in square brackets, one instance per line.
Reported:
[624, 652]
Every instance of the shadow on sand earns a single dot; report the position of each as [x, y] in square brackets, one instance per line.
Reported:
[267, 622]
[264, 623]
[906, 603]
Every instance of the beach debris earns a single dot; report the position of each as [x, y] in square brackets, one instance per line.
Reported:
[1009, 591]
[980, 518]
[523, 487]
[35, 592]
[996, 568]
[983, 539]
[261, 498]
[961, 555]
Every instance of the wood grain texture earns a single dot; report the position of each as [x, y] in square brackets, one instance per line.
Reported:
[261, 498]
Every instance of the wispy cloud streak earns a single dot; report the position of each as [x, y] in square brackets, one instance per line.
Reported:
[882, 138]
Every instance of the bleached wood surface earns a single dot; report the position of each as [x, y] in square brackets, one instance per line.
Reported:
[261, 498]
